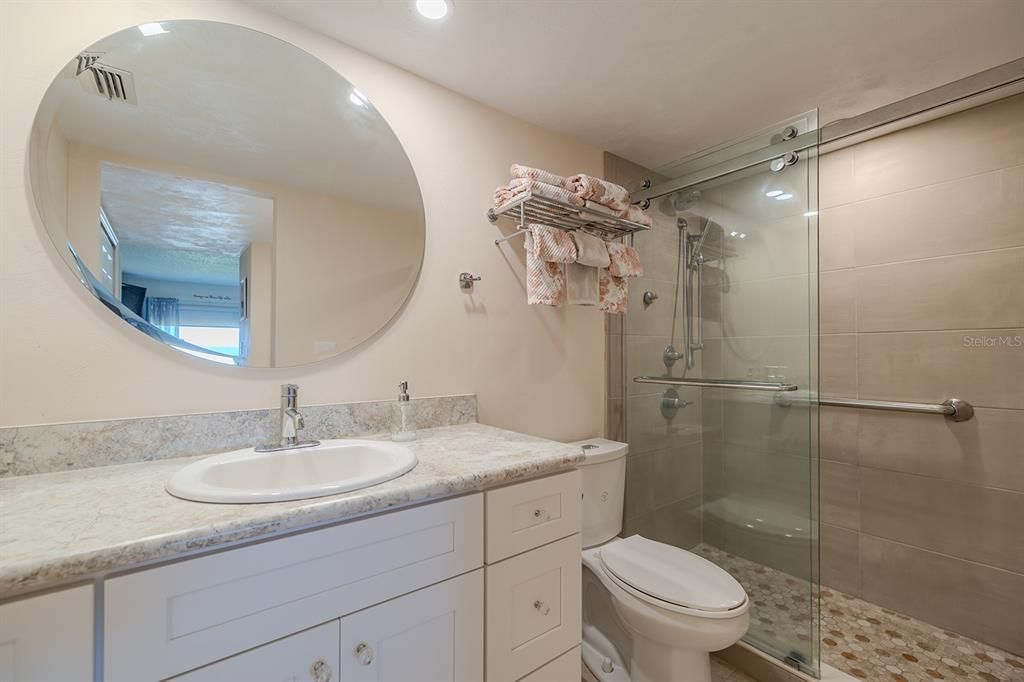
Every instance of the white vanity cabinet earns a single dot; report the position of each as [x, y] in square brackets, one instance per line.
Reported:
[480, 587]
[48, 637]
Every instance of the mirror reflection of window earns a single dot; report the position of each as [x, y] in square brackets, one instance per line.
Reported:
[110, 261]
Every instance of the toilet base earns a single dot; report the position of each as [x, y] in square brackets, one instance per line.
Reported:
[654, 662]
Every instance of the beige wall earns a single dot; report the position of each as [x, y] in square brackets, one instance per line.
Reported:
[64, 358]
[922, 250]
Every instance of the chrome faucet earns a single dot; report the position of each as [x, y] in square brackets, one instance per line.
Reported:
[291, 423]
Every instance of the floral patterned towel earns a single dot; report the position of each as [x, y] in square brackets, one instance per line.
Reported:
[548, 178]
[599, 191]
[614, 293]
[518, 186]
[625, 261]
[545, 282]
[552, 244]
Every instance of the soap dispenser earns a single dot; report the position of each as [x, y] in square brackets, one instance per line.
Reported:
[403, 432]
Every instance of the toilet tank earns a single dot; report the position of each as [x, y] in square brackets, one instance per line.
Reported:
[604, 487]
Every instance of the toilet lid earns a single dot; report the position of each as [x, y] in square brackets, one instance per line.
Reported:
[672, 574]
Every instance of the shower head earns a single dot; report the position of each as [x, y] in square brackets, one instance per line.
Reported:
[679, 202]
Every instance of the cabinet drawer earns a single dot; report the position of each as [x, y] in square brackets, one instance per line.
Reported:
[164, 621]
[310, 656]
[566, 668]
[527, 515]
[533, 608]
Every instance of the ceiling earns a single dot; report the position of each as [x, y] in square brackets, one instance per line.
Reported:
[655, 80]
[229, 101]
[182, 229]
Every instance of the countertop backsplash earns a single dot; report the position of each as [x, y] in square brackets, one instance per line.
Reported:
[26, 450]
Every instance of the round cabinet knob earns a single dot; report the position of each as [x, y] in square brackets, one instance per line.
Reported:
[320, 671]
[543, 608]
[537, 513]
[363, 653]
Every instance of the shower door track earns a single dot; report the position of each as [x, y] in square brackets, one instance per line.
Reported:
[980, 83]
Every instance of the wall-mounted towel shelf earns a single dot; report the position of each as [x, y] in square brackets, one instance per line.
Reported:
[532, 208]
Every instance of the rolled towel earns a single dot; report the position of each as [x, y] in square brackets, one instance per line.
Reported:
[518, 186]
[614, 293]
[551, 244]
[625, 261]
[599, 191]
[590, 250]
[545, 282]
[540, 175]
[638, 215]
[582, 284]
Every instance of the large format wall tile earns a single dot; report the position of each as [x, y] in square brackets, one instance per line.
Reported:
[838, 371]
[837, 301]
[836, 229]
[978, 213]
[979, 601]
[838, 434]
[840, 559]
[840, 494]
[985, 450]
[987, 138]
[981, 367]
[967, 521]
[972, 291]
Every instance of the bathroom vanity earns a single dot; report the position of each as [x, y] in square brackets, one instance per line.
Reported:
[476, 577]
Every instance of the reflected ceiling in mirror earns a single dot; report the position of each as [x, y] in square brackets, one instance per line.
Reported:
[227, 193]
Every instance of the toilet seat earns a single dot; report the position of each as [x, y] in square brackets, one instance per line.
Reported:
[672, 578]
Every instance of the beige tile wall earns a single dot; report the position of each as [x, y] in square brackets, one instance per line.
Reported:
[663, 470]
[922, 259]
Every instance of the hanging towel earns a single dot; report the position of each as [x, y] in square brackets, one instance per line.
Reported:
[519, 186]
[582, 284]
[625, 261]
[545, 282]
[551, 244]
[591, 250]
[599, 191]
[614, 293]
[520, 171]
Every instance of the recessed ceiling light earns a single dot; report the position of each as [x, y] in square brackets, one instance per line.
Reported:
[783, 197]
[153, 29]
[358, 98]
[733, 234]
[810, 214]
[743, 236]
[435, 10]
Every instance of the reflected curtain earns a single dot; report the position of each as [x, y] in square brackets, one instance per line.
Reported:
[163, 313]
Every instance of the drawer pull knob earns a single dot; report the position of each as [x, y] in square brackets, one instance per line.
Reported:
[537, 513]
[363, 653]
[320, 671]
[542, 607]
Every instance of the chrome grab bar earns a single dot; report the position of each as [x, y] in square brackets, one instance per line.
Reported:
[718, 383]
[954, 408]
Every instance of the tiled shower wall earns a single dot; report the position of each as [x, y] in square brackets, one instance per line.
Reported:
[663, 475]
[922, 299]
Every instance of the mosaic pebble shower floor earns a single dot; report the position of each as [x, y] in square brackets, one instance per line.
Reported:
[862, 639]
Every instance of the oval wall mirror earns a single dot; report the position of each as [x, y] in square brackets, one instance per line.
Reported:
[226, 193]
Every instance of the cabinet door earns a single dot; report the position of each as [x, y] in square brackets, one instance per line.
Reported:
[432, 635]
[309, 656]
[48, 637]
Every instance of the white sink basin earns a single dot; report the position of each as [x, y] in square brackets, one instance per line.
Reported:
[334, 466]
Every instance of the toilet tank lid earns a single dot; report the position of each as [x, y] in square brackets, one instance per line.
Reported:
[597, 450]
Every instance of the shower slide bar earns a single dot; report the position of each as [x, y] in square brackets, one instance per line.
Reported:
[740, 384]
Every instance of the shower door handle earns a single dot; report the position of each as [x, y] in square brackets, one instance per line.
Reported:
[738, 384]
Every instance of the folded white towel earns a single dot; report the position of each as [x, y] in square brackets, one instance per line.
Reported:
[582, 284]
[591, 250]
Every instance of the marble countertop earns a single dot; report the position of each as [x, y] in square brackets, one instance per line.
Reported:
[61, 527]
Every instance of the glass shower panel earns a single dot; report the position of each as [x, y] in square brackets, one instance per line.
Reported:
[731, 473]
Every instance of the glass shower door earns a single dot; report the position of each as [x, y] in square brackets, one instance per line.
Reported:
[729, 470]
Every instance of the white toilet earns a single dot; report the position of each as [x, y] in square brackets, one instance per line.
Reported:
[651, 612]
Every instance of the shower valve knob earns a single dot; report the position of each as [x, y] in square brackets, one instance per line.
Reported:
[650, 297]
